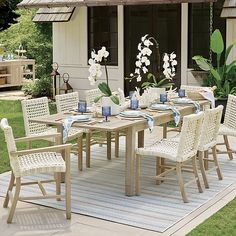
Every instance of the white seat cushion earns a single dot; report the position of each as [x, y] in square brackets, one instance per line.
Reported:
[225, 130]
[44, 162]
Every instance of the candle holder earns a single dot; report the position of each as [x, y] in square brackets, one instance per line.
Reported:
[181, 93]
[82, 107]
[163, 97]
[106, 111]
[134, 103]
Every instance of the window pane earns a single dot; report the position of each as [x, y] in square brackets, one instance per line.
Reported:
[103, 31]
[199, 28]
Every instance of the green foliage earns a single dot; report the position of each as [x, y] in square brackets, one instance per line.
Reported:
[223, 75]
[39, 88]
[105, 89]
[152, 82]
[35, 38]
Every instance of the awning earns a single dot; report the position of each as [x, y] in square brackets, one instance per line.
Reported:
[75, 3]
[229, 9]
[59, 14]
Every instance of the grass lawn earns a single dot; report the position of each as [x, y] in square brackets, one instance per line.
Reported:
[223, 223]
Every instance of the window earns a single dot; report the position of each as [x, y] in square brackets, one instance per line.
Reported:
[103, 31]
[199, 28]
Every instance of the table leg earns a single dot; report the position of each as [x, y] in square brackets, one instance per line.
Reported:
[141, 138]
[130, 162]
[164, 130]
[60, 141]
[108, 145]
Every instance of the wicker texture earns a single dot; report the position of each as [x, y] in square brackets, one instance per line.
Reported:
[182, 150]
[43, 162]
[210, 128]
[90, 95]
[66, 102]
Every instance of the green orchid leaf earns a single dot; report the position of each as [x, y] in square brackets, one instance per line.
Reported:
[168, 85]
[228, 50]
[150, 76]
[217, 42]
[230, 66]
[146, 85]
[104, 88]
[202, 63]
[216, 74]
[115, 99]
[98, 98]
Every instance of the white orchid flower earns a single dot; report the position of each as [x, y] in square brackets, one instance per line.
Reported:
[166, 57]
[144, 37]
[93, 54]
[139, 56]
[139, 46]
[137, 71]
[174, 63]
[138, 64]
[91, 80]
[146, 51]
[147, 62]
[131, 75]
[172, 56]
[91, 61]
[139, 78]
[147, 43]
[145, 69]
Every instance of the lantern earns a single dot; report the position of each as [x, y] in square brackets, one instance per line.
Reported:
[66, 87]
[55, 76]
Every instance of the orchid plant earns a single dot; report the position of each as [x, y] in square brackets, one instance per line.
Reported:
[143, 61]
[95, 71]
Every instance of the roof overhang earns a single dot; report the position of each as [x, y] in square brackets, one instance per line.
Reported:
[229, 9]
[75, 3]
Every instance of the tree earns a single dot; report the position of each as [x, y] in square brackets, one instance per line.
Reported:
[8, 15]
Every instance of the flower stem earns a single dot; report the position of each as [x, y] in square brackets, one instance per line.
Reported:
[158, 55]
[105, 63]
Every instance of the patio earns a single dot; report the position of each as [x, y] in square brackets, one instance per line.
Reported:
[102, 198]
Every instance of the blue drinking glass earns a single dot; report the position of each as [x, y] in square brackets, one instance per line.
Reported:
[163, 97]
[82, 106]
[106, 111]
[131, 93]
[181, 93]
[134, 103]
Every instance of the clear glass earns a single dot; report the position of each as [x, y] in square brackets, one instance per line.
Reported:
[106, 111]
[82, 106]
[181, 93]
[163, 97]
[134, 103]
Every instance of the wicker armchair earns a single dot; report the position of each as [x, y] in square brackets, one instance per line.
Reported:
[39, 107]
[177, 152]
[228, 128]
[33, 162]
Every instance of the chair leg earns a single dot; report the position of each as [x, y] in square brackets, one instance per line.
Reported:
[58, 185]
[15, 200]
[108, 145]
[68, 185]
[158, 169]
[88, 151]
[138, 175]
[229, 150]
[206, 160]
[181, 182]
[196, 174]
[214, 153]
[10, 187]
[201, 163]
[117, 143]
[80, 152]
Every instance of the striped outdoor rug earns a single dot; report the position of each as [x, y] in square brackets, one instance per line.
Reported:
[99, 192]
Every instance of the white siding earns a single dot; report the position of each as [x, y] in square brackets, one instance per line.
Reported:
[231, 37]
[70, 51]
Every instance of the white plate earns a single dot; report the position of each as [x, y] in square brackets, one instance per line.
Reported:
[159, 107]
[82, 118]
[131, 113]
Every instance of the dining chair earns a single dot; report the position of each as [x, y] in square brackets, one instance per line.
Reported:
[228, 128]
[65, 103]
[90, 96]
[177, 152]
[37, 107]
[33, 162]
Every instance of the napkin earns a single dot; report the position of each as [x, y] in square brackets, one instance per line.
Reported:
[150, 121]
[208, 94]
[176, 114]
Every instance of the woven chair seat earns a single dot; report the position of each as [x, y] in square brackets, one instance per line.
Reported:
[165, 148]
[44, 162]
[225, 130]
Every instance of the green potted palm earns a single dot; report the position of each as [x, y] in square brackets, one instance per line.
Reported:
[222, 76]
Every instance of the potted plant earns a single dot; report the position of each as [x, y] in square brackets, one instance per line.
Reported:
[95, 73]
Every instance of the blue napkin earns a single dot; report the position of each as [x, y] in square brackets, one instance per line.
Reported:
[66, 126]
[150, 121]
[176, 114]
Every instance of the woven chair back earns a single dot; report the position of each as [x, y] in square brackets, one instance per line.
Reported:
[34, 108]
[189, 136]
[90, 95]
[230, 113]
[66, 102]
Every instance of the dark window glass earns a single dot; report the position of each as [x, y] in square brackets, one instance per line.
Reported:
[199, 28]
[103, 31]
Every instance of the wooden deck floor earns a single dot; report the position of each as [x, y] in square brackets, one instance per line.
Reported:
[99, 192]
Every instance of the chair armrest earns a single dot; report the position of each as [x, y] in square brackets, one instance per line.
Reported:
[37, 137]
[45, 149]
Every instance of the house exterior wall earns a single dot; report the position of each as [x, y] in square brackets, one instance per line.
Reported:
[230, 37]
[70, 51]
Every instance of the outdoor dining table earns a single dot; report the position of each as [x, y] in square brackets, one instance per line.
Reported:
[131, 126]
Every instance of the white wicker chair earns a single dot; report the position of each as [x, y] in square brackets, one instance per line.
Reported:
[39, 107]
[33, 162]
[208, 140]
[177, 152]
[90, 96]
[66, 102]
[228, 128]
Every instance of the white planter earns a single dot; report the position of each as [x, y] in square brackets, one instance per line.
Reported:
[156, 92]
[115, 109]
